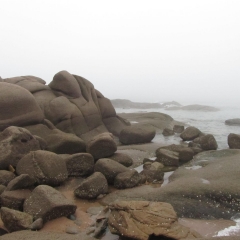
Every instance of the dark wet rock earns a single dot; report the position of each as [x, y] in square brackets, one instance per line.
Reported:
[14, 199]
[15, 220]
[234, 141]
[127, 179]
[208, 142]
[153, 172]
[196, 149]
[167, 157]
[137, 133]
[47, 203]
[20, 182]
[142, 219]
[36, 225]
[21, 108]
[167, 132]
[6, 177]
[185, 155]
[122, 158]
[109, 168]
[79, 164]
[178, 128]
[92, 186]
[101, 146]
[213, 187]
[233, 122]
[44, 167]
[190, 133]
[15, 142]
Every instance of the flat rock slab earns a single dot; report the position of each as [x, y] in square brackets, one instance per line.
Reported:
[142, 219]
[213, 187]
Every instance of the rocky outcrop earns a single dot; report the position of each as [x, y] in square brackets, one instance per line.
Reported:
[137, 133]
[234, 141]
[195, 107]
[15, 142]
[44, 167]
[47, 203]
[92, 186]
[143, 219]
[233, 122]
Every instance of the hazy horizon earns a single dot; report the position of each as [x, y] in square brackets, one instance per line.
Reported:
[145, 51]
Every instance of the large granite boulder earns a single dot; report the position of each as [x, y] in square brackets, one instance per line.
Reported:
[109, 168]
[234, 141]
[17, 107]
[20, 182]
[102, 145]
[233, 122]
[79, 164]
[6, 177]
[15, 220]
[127, 179]
[92, 186]
[143, 219]
[122, 158]
[190, 133]
[208, 142]
[167, 157]
[137, 133]
[15, 142]
[44, 167]
[47, 203]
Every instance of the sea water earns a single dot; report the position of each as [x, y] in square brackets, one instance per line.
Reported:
[207, 122]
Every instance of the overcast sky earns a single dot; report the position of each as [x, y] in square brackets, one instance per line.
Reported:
[155, 50]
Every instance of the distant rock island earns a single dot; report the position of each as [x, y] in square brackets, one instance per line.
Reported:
[124, 103]
[173, 105]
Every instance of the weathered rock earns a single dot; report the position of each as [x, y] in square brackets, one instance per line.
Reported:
[143, 219]
[20, 182]
[47, 203]
[79, 164]
[122, 158]
[36, 225]
[178, 128]
[137, 133]
[127, 179]
[44, 167]
[56, 140]
[6, 177]
[17, 107]
[167, 132]
[15, 220]
[109, 168]
[233, 122]
[14, 199]
[190, 133]
[102, 146]
[152, 171]
[92, 186]
[2, 189]
[208, 142]
[185, 154]
[234, 141]
[15, 142]
[168, 158]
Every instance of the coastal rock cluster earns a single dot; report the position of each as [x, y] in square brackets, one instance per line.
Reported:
[67, 130]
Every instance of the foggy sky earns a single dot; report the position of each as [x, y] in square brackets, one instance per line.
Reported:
[152, 51]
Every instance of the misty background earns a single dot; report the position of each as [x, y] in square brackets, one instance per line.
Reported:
[145, 51]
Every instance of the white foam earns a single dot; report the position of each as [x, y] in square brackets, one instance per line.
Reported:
[166, 178]
[205, 181]
[232, 230]
[193, 167]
